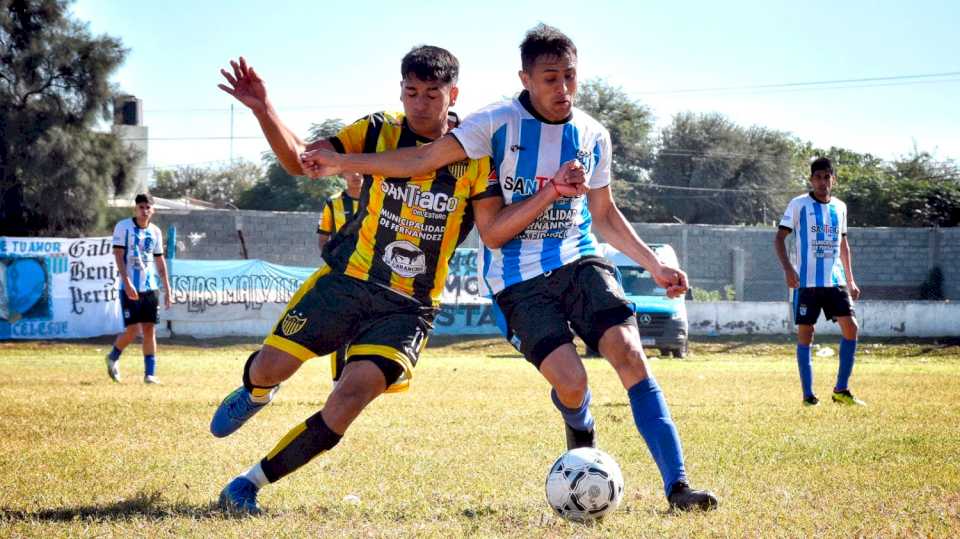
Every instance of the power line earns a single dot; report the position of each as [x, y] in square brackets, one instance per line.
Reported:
[949, 76]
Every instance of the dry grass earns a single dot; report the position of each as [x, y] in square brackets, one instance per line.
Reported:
[465, 452]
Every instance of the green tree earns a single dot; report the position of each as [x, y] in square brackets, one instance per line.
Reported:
[55, 171]
[279, 191]
[914, 190]
[219, 185]
[631, 126]
[723, 173]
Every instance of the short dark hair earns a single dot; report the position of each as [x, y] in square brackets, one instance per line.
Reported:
[544, 40]
[431, 63]
[821, 163]
[143, 198]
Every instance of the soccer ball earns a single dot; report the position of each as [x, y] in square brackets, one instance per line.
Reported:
[584, 484]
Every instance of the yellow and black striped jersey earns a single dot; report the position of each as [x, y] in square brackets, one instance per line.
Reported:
[406, 229]
[336, 212]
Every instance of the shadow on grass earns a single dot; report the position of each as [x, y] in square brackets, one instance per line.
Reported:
[143, 504]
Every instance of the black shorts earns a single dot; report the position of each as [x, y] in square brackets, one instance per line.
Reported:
[834, 301]
[332, 310]
[143, 310]
[584, 296]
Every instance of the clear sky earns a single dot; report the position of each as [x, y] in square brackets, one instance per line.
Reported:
[342, 59]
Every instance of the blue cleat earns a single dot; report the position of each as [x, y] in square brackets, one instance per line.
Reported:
[240, 496]
[235, 410]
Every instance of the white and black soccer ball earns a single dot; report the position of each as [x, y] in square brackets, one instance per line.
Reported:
[584, 484]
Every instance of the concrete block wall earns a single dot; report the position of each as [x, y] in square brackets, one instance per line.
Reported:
[888, 263]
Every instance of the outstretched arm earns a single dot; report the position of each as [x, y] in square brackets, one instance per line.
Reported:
[401, 163]
[248, 88]
[613, 226]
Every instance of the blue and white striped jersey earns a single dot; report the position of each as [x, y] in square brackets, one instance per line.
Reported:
[139, 245]
[818, 229]
[526, 152]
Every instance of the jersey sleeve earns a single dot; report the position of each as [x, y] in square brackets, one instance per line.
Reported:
[350, 139]
[789, 217]
[326, 220]
[158, 245]
[475, 134]
[119, 239]
[485, 183]
[602, 160]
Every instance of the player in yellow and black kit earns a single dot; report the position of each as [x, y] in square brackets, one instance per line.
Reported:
[337, 211]
[380, 287]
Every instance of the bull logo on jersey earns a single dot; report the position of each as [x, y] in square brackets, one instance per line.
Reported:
[405, 258]
[292, 323]
[586, 159]
[459, 168]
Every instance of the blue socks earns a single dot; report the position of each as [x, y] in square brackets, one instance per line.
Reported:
[149, 365]
[115, 354]
[847, 351]
[578, 418]
[656, 426]
[805, 364]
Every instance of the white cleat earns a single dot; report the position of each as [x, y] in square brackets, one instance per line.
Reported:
[151, 379]
[113, 369]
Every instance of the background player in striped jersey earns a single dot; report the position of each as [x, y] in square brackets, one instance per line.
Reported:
[339, 209]
[825, 277]
[138, 251]
[380, 287]
[548, 278]
[336, 212]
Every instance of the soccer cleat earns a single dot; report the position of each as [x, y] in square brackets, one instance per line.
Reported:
[684, 498]
[580, 438]
[150, 379]
[812, 400]
[113, 369]
[235, 410]
[845, 397]
[240, 496]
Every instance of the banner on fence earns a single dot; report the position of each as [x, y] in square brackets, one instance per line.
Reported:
[58, 288]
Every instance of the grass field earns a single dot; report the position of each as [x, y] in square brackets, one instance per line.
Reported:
[465, 452]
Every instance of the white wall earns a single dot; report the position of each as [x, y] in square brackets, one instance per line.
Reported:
[876, 318]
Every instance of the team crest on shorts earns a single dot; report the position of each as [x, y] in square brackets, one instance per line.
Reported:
[292, 323]
[802, 310]
[459, 168]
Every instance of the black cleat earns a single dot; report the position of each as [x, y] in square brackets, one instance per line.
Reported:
[580, 438]
[812, 400]
[684, 498]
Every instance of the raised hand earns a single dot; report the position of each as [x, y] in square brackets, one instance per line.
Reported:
[245, 85]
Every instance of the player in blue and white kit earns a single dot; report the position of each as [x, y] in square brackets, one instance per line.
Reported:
[824, 280]
[548, 278]
[138, 251]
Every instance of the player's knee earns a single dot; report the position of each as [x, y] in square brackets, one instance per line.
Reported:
[572, 386]
[362, 382]
[272, 366]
